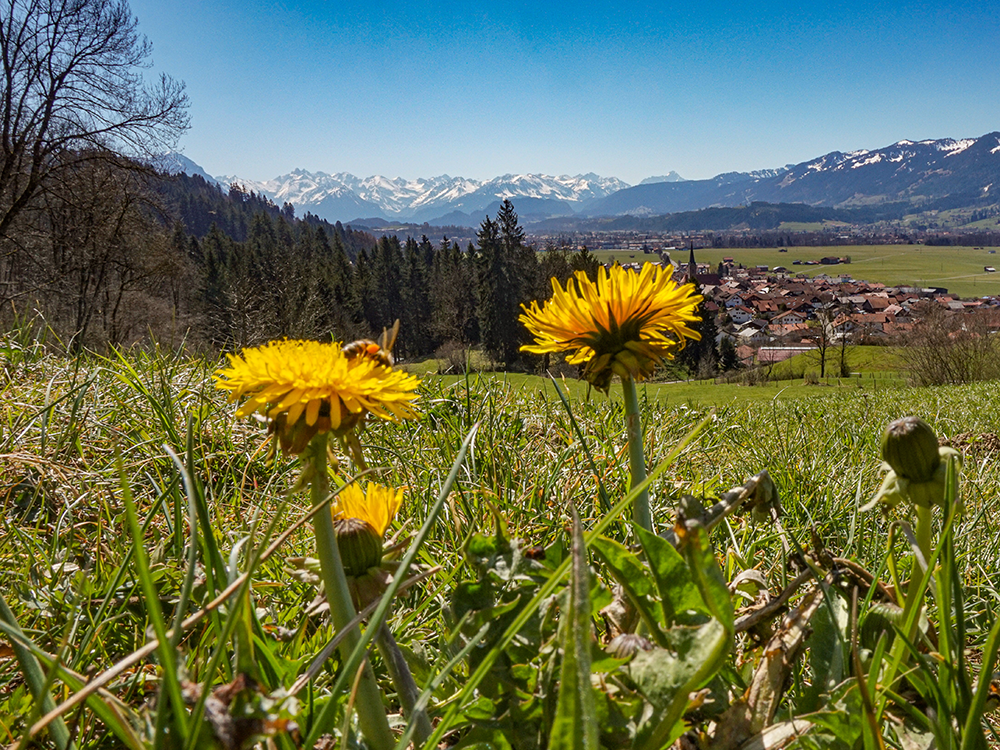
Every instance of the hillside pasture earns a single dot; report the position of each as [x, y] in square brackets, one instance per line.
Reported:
[957, 269]
[872, 368]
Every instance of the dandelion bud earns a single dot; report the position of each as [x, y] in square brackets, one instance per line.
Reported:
[917, 465]
[360, 545]
[910, 447]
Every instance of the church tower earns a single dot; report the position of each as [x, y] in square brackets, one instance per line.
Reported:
[692, 269]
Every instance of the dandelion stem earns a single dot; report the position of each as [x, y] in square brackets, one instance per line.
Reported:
[923, 532]
[371, 713]
[406, 687]
[637, 461]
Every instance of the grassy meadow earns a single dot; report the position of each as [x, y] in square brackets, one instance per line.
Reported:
[957, 269]
[872, 368]
[79, 437]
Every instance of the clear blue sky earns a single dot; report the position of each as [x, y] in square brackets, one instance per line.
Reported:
[625, 89]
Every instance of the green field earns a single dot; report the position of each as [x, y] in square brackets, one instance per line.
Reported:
[132, 494]
[873, 368]
[693, 393]
[958, 269]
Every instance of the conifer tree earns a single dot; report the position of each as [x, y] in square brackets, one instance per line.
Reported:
[497, 291]
[414, 336]
[453, 295]
[700, 356]
[521, 259]
[213, 292]
[334, 289]
[554, 264]
[506, 276]
[728, 358]
[427, 251]
[363, 294]
[387, 281]
[585, 261]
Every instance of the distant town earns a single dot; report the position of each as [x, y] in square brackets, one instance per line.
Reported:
[773, 313]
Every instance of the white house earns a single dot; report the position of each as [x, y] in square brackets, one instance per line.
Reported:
[740, 315]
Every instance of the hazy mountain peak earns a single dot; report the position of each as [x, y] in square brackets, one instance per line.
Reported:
[670, 176]
[174, 162]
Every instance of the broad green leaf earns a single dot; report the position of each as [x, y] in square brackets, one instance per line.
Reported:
[845, 718]
[34, 676]
[913, 737]
[826, 649]
[707, 575]
[661, 674]
[470, 595]
[485, 552]
[678, 593]
[634, 578]
[626, 567]
[574, 726]
[666, 677]
[481, 550]
[484, 738]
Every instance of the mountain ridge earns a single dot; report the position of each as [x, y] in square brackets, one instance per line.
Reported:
[422, 199]
[908, 171]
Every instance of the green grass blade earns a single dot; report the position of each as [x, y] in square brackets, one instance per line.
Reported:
[33, 675]
[167, 655]
[546, 589]
[605, 499]
[574, 726]
[438, 679]
[972, 732]
[115, 715]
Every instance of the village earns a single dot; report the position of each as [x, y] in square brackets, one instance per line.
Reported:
[772, 313]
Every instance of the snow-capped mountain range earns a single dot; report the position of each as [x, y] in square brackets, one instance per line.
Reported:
[915, 172]
[343, 196]
[909, 171]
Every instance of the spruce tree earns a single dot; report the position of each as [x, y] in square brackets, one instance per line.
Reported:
[335, 274]
[495, 296]
[585, 261]
[728, 358]
[414, 335]
[214, 287]
[363, 294]
[700, 357]
[386, 303]
[554, 264]
[506, 276]
[453, 296]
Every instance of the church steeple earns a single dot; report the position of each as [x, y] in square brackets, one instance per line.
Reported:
[692, 269]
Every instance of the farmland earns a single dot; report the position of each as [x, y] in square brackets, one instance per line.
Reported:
[958, 269]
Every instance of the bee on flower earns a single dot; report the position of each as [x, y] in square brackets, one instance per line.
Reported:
[307, 388]
[380, 350]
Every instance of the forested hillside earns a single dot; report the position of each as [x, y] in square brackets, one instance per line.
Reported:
[130, 255]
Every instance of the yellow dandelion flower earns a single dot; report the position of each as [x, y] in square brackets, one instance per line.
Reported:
[376, 505]
[626, 323]
[307, 387]
[360, 521]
